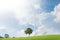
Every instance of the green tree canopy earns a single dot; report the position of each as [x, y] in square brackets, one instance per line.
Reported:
[28, 31]
[6, 36]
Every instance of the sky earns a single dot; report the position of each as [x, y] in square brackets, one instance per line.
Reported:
[43, 16]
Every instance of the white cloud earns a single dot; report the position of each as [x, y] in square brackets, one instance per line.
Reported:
[21, 9]
[56, 13]
[37, 6]
[7, 4]
[18, 6]
[2, 27]
[21, 34]
[42, 28]
[25, 10]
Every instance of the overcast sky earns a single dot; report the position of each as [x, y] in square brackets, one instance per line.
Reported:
[43, 16]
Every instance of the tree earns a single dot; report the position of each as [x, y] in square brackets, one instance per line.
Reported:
[13, 37]
[28, 31]
[6, 36]
[1, 37]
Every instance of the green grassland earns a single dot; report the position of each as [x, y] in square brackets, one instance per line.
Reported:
[46, 37]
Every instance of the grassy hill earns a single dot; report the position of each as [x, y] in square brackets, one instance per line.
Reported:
[47, 37]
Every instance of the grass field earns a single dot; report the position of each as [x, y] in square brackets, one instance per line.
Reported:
[47, 37]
